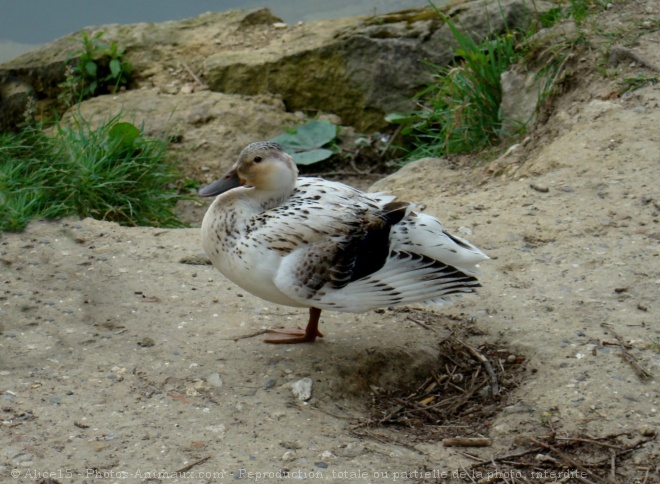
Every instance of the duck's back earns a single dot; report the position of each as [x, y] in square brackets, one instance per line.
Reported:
[355, 251]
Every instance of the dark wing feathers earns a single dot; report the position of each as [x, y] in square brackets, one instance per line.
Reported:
[367, 246]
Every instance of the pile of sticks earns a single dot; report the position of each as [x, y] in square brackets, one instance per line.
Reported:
[466, 386]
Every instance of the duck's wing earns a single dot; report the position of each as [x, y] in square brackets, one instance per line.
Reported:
[423, 234]
[362, 251]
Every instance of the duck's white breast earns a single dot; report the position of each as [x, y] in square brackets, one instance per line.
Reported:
[241, 259]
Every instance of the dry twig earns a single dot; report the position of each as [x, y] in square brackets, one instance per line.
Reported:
[467, 442]
[494, 385]
[192, 464]
[639, 370]
[569, 461]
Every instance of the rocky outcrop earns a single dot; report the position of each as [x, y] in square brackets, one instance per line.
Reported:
[363, 68]
[358, 68]
[207, 129]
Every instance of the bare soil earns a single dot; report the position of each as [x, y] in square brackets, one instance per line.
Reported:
[124, 357]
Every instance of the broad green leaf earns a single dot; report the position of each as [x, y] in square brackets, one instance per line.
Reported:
[124, 134]
[310, 135]
[115, 68]
[311, 157]
[90, 68]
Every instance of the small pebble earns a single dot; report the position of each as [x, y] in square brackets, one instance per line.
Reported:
[214, 379]
[302, 389]
[539, 188]
[511, 359]
[270, 383]
[289, 456]
[327, 456]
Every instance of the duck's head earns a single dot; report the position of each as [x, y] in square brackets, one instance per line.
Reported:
[263, 165]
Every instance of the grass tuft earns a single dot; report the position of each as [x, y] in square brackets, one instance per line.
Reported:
[461, 107]
[108, 173]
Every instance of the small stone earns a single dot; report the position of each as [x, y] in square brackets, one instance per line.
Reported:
[327, 456]
[352, 449]
[289, 456]
[270, 383]
[291, 445]
[511, 359]
[214, 380]
[280, 25]
[539, 188]
[457, 377]
[98, 446]
[648, 432]
[302, 389]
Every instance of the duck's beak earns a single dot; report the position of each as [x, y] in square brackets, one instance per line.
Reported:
[227, 182]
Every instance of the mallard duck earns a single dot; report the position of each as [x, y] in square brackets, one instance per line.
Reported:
[310, 242]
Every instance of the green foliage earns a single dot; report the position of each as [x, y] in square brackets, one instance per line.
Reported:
[97, 67]
[304, 143]
[460, 110]
[462, 106]
[633, 83]
[579, 10]
[108, 173]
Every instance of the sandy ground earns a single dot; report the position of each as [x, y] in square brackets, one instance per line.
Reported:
[122, 357]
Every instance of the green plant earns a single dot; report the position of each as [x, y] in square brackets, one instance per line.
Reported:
[461, 107]
[94, 67]
[108, 173]
[579, 10]
[637, 82]
[305, 143]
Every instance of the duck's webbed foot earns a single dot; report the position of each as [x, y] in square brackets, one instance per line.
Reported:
[297, 335]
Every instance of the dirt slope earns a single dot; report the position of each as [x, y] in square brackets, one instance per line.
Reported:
[119, 354]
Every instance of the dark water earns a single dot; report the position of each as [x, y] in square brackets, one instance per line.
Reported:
[25, 24]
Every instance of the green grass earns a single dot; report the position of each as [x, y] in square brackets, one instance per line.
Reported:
[109, 173]
[461, 107]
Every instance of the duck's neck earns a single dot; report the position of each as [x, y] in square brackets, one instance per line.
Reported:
[268, 199]
[275, 190]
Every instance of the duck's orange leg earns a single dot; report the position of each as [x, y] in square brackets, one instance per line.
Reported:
[297, 335]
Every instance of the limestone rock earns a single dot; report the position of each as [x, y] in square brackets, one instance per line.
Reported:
[302, 389]
[359, 68]
[520, 98]
[209, 129]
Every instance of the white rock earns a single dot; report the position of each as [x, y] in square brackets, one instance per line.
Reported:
[327, 456]
[289, 456]
[302, 389]
[214, 379]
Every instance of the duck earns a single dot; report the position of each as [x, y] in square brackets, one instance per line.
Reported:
[319, 244]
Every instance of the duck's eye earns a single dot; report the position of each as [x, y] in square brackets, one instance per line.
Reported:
[257, 159]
